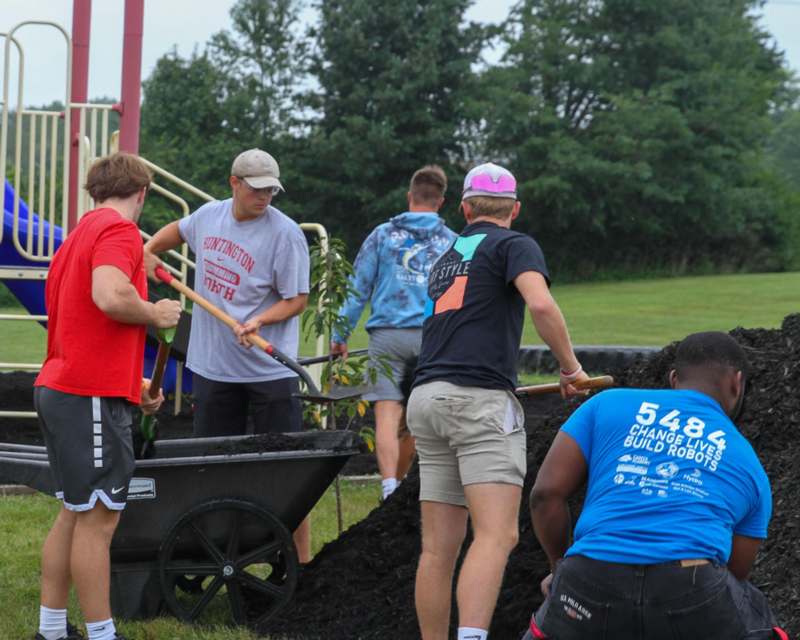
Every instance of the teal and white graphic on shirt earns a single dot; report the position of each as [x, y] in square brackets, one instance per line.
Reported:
[466, 245]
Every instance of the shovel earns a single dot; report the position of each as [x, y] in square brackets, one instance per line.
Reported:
[312, 395]
[147, 427]
[599, 382]
[331, 356]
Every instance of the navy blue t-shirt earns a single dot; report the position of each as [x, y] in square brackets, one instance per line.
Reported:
[475, 314]
[670, 478]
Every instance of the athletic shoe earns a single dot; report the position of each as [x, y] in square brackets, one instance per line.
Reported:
[72, 634]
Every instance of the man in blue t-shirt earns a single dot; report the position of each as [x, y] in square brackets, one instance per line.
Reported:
[676, 506]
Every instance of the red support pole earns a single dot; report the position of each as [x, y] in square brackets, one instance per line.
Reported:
[131, 76]
[81, 29]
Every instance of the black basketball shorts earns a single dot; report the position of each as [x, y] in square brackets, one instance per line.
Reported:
[89, 447]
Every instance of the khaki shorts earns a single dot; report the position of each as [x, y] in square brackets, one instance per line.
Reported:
[465, 435]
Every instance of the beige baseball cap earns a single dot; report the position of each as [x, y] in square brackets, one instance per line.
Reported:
[257, 168]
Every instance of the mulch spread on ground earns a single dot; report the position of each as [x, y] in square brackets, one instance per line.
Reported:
[362, 584]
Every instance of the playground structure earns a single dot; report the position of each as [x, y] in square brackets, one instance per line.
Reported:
[48, 160]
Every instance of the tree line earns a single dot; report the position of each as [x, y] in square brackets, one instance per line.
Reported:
[648, 136]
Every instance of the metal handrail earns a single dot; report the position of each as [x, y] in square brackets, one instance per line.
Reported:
[45, 123]
[178, 181]
[4, 117]
[27, 251]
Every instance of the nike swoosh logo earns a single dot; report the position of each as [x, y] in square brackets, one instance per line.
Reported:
[116, 491]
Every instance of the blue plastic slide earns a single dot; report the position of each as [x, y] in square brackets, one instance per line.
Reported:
[30, 293]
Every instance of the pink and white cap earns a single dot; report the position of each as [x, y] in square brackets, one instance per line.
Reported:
[490, 180]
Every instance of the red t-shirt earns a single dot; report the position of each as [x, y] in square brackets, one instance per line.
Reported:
[88, 353]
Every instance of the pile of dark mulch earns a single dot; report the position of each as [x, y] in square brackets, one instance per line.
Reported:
[362, 585]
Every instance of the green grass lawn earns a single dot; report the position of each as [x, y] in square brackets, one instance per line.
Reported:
[23, 341]
[25, 521]
[657, 312]
[637, 312]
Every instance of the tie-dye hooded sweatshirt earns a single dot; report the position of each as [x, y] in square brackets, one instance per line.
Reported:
[391, 272]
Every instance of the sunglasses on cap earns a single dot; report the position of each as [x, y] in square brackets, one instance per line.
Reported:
[274, 191]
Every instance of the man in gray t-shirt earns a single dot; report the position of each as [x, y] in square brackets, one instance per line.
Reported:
[252, 262]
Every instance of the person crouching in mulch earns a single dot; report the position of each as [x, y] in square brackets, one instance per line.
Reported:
[677, 504]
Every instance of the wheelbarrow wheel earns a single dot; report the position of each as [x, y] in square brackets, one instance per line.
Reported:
[233, 545]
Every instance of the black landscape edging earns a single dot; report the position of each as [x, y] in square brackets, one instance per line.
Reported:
[593, 358]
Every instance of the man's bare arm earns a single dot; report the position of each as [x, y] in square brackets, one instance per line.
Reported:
[562, 473]
[550, 325]
[743, 555]
[115, 296]
[166, 238]
[280, 311]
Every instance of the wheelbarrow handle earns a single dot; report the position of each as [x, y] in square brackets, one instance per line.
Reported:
[598, 382]
[254, 339]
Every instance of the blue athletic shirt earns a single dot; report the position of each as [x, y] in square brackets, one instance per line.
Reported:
[670, 478]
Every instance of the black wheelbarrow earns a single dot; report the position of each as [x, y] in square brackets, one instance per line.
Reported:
[207, 528]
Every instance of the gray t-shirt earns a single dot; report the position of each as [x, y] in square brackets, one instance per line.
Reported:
[244, 268]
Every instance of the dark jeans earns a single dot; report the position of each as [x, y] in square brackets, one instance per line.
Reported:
[221, 408]
[593, 600]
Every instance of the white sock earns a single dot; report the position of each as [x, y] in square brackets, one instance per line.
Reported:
[388, 485]
[52, 623]
[471, 633]
[103, 630]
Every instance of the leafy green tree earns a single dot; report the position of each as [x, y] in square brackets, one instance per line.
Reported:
[264, 59]
[199, 112]
[394, 81]
[185, 124]
[186, 131]
[784, 143]
[637, 128]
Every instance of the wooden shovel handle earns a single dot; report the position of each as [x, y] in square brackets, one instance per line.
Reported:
[158, 369]
[165, 276]
[253, 338]
[599, 382]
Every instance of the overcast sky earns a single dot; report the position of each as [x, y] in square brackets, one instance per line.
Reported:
[187, 24]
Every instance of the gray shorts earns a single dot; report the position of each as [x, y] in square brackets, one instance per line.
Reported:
[465, 435]
[89, 447]
[399, 346]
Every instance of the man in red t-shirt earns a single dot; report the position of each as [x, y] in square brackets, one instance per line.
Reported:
[97, 306]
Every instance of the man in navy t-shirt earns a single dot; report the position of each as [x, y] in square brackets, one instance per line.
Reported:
[676, 506]
[462, 410]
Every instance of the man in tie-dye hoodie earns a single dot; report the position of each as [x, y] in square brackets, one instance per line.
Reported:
[391, 273]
